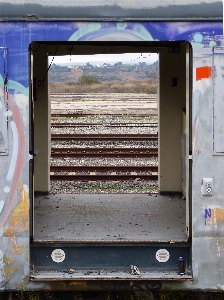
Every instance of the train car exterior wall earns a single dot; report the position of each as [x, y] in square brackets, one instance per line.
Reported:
[207, 40]
[110, 10]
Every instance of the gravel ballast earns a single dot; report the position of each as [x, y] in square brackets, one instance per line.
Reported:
[101, 126]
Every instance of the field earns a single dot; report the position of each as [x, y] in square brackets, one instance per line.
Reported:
[148, 86]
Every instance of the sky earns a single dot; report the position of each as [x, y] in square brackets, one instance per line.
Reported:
[149, 58]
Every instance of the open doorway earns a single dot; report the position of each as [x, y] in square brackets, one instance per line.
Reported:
[104, 120]
[159, 215]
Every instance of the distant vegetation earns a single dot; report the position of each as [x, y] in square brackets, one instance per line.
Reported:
[88, 79]
[106, 78]
[105, 72]
[148, 86]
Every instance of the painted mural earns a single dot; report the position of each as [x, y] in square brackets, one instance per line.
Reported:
[14, 100]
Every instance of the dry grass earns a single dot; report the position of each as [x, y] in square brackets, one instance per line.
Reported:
[148, 86]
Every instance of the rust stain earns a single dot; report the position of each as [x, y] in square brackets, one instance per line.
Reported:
[9, 260]
[203, 73]
[16, 249]
[218, 245]
[9, 231]
[65, 285]
[18, 217]
[217, 216]
[9, 272]
[78, 283]
[17, 222]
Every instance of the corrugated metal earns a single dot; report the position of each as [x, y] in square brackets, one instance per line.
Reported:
[89, 9]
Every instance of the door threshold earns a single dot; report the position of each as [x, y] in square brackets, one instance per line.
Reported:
[107, 275]
[155, 261]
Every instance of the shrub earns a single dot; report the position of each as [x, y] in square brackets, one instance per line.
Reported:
[88, 79]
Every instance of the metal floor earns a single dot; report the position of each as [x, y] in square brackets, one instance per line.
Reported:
[110, 218]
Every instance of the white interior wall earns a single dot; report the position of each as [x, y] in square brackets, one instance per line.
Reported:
[42, 127]
[171, 102]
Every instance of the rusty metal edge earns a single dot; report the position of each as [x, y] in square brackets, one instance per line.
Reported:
[115, 278]
[99, 150]
[105, 155]
[80, 115]
[102, 177]
[103, 168]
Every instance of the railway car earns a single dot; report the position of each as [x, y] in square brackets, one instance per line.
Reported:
[182, 247]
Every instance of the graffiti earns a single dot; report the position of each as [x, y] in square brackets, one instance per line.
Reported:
[208, 214]
[16, 158]
[98, 31]
[217, 216]
[18, 217]
[203, 39]
[17, 224]
[199, 34]
[2, 274]
[3, 111]
[203, 73]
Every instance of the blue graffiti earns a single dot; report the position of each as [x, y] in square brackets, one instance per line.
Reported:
[17, 36]
[208, 214]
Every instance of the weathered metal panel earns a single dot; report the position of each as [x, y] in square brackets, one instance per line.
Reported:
[4, 147]
[218, 77]
[207, 211]
[83, 225]
[166, 9]
[107, 259]
[202, 141]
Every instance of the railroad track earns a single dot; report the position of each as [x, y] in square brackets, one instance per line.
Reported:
[85, 115]
[102, 173]
[108, 137]
[103, 177]
[101, 96]
[102, 168]
[73, 125]
[104, 152]
[73, 173]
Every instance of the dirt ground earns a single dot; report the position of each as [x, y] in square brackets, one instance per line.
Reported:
[112, 295]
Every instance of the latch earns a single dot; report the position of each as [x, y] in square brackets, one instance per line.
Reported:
[207, 187]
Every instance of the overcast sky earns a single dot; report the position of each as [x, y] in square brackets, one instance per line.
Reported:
[122, 3]
[149, 58]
